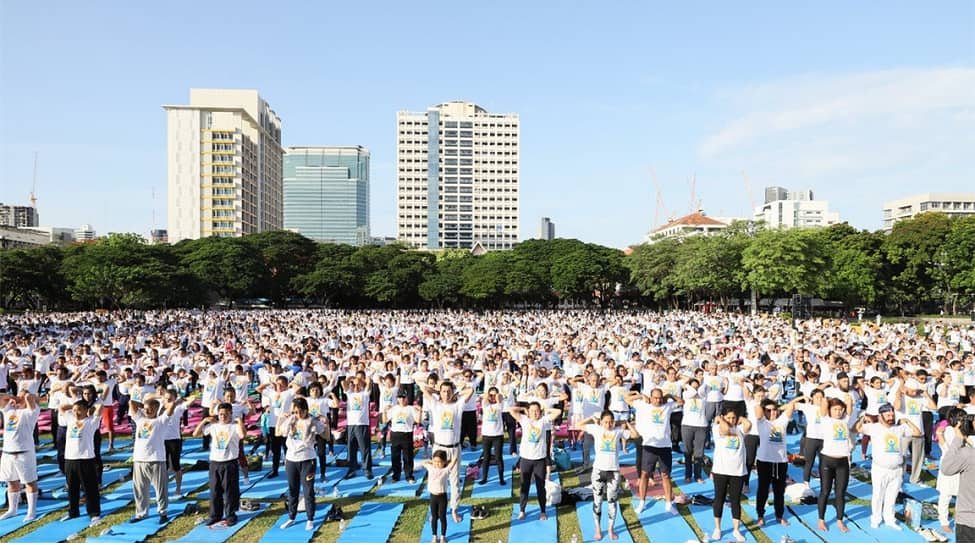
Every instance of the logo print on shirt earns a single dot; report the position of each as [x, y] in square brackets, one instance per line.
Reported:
[775, 434]
[12, 421]
[657, 417]
[732, 443]
[534, 434]
[74, 430]
[608, 443]
[356, 404]
[223, 440]
[891, 444]
[594, 396]
[694, 406]
[446, 420]
[913, 408]
[492, 415]
[840, 432]
[145, 430]
[299, 433]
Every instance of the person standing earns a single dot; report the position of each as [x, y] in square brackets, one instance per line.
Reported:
[653, 424]
[947, 485]
[959, 459]
[279, 397]
[446, 412]
[300, 431]
[402, 418]
[357, 393]
[81, 422]
[492, 434]
[439, 469]
[149, 456]
[18, 464]
[729, 468]
[694, 432]
[834, 460]
[605, 476]
[534, 452]
[772, 458]
[225, 436]
[911, 402]
[887, 471]
[173, 439]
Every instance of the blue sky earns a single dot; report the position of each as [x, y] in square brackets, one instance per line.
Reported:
[860, 101]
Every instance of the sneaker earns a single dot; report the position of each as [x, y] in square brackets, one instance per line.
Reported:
[411, 480]
[874, 525]
[94, 521]
[163, 519]
[309, 526]
[641, 506]
[65, 518]
[288, 524]
[369, 475]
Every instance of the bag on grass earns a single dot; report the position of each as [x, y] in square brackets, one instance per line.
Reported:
[554, 492]
[561, 459]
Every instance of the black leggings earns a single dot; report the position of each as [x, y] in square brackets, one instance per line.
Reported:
[321, 448]
[751, 451]
[301, 475]
[510, 427]
[438, 510]
[838, 470]
[771, 474]
[277, 444]
[536, 469]
[730, 485]
[810, 450]
[492, 444]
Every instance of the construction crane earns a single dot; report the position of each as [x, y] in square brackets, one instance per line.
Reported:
[33, 189]
[695, 201]
[748, 189]
[661, 209]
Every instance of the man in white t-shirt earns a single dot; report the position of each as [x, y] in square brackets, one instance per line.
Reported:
[653, 423]
[887, 472]
[226, 435]
[149, 456]
[19, 461]
[446, 412]
[357, 392]
[81, 423]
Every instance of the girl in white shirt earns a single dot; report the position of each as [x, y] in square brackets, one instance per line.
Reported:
[438, 470]
[606, 467]
[300, 431]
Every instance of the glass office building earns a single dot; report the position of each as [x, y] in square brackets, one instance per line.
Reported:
[326, 193]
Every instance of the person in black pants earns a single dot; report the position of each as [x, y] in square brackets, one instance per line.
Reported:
[492, 434]
[534, 452]
[81, 423]
[300, 431]
[772, 457]
[225, 438]
[402, 417]
[834, 461]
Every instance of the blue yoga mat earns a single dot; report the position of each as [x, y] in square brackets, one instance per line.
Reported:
[267, 489]
[860, 514]
[43, 507]
[135, 532]
[775, 531]
[493, 489]
[657, 522]
[921, 492]
[56, 531]
[401, 489]
[120, 444]
[704, 516]
[297, 532]
[372, 524]
[191, 481]
[588, 526]
[109, 477]
[532, 530]
[456, 533]
[46, 453]
[120, 456]
[201, 533]
[810, 517]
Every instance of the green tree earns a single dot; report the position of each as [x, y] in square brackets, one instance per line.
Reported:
[782, 262]
[397, 283]
[32, 278]
[915, 249]
[855, 265]
[651, 270]
[589, 272]
[285, 256]
[960, 258]
[484, 279]
[228, 267]
[334, 279]
[442, 286]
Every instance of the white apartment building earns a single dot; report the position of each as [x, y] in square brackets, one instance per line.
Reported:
[225, 165]
[953, 204]
[694, 224]
[457, 177]
[789, 209]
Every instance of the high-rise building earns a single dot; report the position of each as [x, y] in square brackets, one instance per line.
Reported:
[796, 209]
[326, 193]
[18, 216]
[85, 233]
[159, 236]
[546, 231]
[224, 165]
[953, 204]
[457, 177]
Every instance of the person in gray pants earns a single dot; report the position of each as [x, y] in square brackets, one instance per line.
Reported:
[149, 456]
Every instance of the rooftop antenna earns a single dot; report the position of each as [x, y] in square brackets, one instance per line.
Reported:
[33, 188]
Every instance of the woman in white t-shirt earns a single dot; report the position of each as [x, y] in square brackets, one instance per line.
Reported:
[533, 451]
[728, 469]
[834, 459]
[606, 467]
[947, 484]
[300, 431]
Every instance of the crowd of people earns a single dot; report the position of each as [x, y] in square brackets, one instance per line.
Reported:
[663, 384]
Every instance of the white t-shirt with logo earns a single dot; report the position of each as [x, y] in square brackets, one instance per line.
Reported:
[887, 444]
[729, 452]
[401, 418]
[607, 443]
[653, 423]
[492, 423]
[224, 441]
[445, 421]
[149, 438]
[357, 408]
[533, 443]
[79, 438]
[693, 411]
[18, 429]
[771, 446]
[836, 437]
[301, 438]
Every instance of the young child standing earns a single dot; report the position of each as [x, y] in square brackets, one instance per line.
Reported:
[438, 470]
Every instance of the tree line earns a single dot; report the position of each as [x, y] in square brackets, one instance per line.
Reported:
[923, 265]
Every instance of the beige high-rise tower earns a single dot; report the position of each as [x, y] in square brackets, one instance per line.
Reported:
[225, 165]
[457, 177]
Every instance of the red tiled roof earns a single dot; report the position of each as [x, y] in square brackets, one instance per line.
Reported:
[694, 219]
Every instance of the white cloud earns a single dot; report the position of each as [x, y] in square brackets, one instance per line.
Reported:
[899, 99]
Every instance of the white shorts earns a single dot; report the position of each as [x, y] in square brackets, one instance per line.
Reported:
[18, 467]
